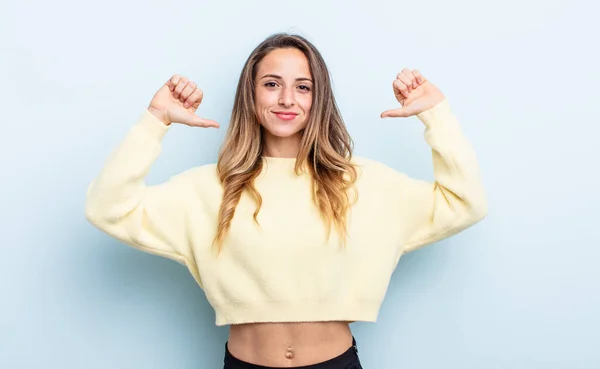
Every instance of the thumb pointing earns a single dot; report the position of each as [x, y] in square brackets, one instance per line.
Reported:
[396, 113]
[206, 122]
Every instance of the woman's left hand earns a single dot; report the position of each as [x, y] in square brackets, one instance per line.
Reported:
[415, 93]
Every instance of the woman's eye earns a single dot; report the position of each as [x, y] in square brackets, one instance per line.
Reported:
[306, 88]
[271, 84]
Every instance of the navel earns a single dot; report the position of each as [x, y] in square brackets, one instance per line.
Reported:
[289, 354]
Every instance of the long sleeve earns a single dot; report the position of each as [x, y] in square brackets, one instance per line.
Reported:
[456, 199]
[150, 218]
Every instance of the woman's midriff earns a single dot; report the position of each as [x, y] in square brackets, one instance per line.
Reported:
[289, 344]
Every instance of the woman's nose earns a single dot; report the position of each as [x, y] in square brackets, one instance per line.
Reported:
[286, 98]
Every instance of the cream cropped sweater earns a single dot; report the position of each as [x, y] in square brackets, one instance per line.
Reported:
[286, 269]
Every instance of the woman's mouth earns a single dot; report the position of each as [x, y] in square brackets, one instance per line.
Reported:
[286, 115]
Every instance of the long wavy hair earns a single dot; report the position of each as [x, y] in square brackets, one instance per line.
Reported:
[326, 145]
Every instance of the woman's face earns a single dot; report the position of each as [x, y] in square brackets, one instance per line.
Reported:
[283, 95]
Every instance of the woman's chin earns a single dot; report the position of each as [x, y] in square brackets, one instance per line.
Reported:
[283, 131]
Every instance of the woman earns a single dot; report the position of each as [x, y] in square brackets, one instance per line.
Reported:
[290, 236]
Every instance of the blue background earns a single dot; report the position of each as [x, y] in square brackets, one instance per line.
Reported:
[519, 290]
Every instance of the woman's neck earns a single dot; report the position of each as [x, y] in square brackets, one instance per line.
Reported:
[281, 147]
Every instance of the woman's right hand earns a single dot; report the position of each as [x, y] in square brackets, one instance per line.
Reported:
[177, 101]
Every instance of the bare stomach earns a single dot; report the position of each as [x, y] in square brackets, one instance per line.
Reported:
[289, 344]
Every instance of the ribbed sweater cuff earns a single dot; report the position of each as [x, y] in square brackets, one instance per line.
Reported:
[151, 126]
[439, 117]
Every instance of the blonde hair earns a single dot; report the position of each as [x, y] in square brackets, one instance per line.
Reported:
[326, 145]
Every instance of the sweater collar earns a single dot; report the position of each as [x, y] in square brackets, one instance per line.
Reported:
[279, 165]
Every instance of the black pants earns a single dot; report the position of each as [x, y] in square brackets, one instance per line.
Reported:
[347, 360]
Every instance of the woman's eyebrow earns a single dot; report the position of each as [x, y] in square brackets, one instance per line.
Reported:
[279, 77]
